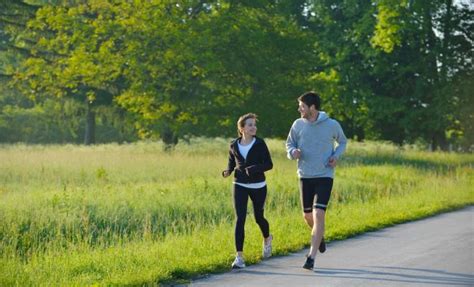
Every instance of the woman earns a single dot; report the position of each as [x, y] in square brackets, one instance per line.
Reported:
[249, 158]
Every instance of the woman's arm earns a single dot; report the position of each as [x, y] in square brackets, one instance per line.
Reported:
[230, 164]
[265, 165]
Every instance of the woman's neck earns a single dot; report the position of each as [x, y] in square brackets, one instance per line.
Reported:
[246, 140]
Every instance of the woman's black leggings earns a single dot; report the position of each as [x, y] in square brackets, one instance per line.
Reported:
[241, 197]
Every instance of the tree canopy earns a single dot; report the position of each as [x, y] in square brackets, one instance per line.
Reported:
[391, 70]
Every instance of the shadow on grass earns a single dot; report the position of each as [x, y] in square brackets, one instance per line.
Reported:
[423, 164]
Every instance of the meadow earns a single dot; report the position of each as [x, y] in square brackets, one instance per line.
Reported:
[133, 214]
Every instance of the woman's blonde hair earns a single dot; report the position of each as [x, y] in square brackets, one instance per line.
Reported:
[241, 121]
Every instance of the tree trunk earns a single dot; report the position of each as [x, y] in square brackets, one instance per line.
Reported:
[439, 142]
[170, 139]
[89, 137]
[446, 41]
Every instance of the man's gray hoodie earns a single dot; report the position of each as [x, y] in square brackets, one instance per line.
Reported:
[318, 141]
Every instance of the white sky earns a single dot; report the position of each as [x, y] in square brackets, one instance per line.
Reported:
[470, 2]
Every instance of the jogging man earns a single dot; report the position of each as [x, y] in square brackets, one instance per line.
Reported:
[316, 141]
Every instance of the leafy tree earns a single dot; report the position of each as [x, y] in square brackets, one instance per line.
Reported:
[342, 31]
[434, 49]
[393, 70]
[74, 56]
[209, 67]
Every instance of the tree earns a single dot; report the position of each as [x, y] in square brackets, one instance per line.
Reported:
[341, 32]
[74, 56]
[221, 69]
[434, 49]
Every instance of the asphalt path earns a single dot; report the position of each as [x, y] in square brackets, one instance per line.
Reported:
[436, 251]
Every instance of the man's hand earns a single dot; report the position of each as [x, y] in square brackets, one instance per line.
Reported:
[332, 161]
[296, 153]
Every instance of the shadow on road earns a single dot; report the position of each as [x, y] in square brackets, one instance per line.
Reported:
[400, 274]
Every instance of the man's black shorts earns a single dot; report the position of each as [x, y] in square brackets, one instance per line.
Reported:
[311, 188]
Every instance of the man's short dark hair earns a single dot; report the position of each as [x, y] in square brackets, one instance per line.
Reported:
[311, 98]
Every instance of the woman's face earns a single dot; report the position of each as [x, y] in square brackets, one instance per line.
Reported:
[250, 128]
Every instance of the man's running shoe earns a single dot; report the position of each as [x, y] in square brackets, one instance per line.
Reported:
[309, 264]
[238, 263]
[322, 246]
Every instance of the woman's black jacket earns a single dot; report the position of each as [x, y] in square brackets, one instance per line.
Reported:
[251, 169]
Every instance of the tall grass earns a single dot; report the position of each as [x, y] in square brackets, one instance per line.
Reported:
[133, 214]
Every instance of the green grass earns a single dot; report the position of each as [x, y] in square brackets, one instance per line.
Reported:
[134, 215]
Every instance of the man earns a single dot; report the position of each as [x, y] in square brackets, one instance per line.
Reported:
[312, 142]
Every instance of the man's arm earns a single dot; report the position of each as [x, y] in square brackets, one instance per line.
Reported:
[292, 151]
[341, 142]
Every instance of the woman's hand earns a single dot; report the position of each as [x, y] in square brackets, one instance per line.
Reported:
[225, 173]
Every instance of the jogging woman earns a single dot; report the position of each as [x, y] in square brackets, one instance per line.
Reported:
[249, 158]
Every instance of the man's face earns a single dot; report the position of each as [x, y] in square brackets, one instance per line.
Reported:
[304, 110]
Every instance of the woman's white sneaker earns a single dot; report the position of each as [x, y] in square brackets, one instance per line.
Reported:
[238, 263]
[267, 247]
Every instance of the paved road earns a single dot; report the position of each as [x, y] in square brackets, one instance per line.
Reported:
[437, 251]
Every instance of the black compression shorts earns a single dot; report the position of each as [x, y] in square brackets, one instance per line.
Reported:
[315, 188]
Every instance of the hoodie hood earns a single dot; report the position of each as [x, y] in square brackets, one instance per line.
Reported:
[322, 117]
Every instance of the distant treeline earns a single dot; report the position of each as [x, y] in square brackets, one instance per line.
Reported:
[101, 71]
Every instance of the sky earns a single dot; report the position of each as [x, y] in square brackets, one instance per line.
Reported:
[469, 2]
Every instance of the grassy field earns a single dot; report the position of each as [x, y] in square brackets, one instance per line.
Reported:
[134, 215]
